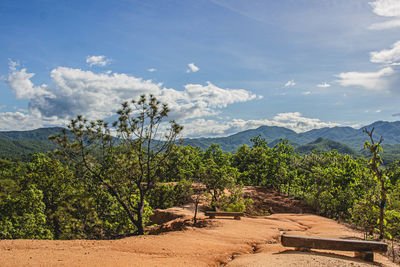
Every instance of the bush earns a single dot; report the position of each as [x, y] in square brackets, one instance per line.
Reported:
[167, 195]
[234, 201]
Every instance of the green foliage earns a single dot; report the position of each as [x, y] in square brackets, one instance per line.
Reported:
[233, 201]
[23, 149]
[183, 163]
[331, 182]
[364, 214]
[325, 145]
[22, 216]
[379, 175]
[261, 165]
[392, 224]
[167, 195]
[217, 174]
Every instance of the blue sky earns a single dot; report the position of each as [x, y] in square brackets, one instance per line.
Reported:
[222, 65]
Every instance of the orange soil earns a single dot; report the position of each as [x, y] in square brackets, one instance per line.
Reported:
[246, 242]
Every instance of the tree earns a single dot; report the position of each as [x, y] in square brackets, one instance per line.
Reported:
[126, 165]
[22, 212]
[217, 174]
[56, 183]
[184, 163]
[252, 162]
[375, 149]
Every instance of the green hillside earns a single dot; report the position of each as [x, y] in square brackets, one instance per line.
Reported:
[38, 134]
[23, 149]
[22, 144]
[325, 145]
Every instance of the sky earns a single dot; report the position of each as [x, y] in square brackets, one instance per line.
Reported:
[222, 66]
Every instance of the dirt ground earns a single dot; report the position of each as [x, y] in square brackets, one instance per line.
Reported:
[223, 242]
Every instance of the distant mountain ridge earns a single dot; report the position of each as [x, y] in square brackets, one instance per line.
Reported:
[344, 139]
[354, 138]
[37, 134]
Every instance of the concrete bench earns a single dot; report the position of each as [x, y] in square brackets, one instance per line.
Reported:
[362, 249]
[235, 215]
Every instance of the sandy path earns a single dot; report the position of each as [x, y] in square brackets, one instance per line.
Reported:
[248, 242]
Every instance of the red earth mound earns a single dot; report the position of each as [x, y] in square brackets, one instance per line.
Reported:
[269, 201]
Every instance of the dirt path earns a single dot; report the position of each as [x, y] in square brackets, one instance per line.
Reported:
[248, 242]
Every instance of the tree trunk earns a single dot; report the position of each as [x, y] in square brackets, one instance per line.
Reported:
[57, 230]
[196, 205]
[139, 225]
[213, 201]
[382, 209]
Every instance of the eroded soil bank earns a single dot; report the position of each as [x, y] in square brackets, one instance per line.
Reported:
[248, 242]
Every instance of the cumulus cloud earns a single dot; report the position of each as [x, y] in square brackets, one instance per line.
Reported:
[151, 70]
[290, 83]
[386, 8]
[292, 120]
[202, 100]
[298, 123]
[380, 80]
[323, 85]
[306, 93]
[99, 95]
[192, 68]
[21, 85]
[97, 61]
[25, 121]
[387, 56]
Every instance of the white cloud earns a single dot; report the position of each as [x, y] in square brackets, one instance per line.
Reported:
[323, 85]
[290, 83]
[192, 68]
[21, 85]
[379, 80]
[306, 93]
[97, 61]
[151, 70]
[217, 97]
[298, 123]
[291, 120]
[387, 56]
[378, 111]
[22, 121]
[385, 25]
[198, 100]
[12, 64]
[99, 95]
[386, 8]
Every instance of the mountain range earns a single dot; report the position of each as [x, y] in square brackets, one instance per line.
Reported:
[354, 138]
[19, 144]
